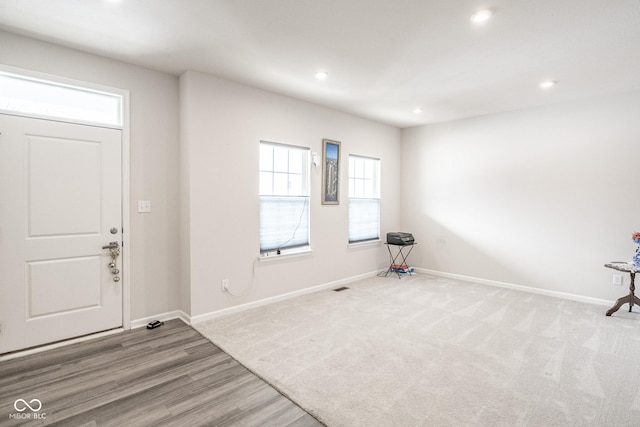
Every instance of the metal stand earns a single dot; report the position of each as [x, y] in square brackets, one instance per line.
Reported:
[399, 255]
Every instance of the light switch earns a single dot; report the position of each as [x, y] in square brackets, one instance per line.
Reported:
[144, 206]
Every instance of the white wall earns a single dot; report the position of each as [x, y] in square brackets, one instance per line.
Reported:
[154, 160]
[221, 130]
[540, 198]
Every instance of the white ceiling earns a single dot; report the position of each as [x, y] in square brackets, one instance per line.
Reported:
[384, 57]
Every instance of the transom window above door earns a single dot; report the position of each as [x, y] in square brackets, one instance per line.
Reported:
[34, 97]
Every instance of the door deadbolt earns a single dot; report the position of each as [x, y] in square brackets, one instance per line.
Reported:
[114, 230]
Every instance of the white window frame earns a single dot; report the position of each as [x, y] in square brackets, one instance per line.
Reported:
[52, 98]
[279, 182]
[364, 189]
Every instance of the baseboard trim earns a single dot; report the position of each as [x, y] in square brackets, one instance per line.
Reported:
[546, 292]
[163, 317]
[243, 307]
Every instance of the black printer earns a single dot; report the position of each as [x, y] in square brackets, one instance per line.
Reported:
[399, 238]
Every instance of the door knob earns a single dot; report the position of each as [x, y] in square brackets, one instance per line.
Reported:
[111, 245]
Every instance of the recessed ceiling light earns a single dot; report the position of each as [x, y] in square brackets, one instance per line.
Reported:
[418, 110]
[481, 16]
[548, 84]
[321, 75]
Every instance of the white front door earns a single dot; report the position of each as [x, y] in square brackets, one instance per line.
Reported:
[60, 203]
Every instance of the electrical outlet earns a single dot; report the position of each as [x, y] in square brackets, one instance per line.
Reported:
[617, 279]
[225, 285]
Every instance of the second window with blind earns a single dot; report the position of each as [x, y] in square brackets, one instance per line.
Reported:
[364, 199]
[284, 197]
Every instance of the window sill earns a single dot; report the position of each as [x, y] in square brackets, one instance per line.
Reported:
[366, 243]
[286, 255]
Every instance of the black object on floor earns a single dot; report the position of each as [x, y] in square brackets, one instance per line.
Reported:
[155, 324]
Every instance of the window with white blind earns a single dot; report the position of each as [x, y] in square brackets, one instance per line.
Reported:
[364, 199]
[284, 197]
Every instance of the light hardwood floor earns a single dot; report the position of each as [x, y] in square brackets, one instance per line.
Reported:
[169, 376]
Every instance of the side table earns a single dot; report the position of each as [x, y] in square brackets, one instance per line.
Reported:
[630, 299]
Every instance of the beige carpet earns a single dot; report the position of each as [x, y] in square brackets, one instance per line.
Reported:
[428, 351]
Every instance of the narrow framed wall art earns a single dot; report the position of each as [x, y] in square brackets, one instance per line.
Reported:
[330, 172]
